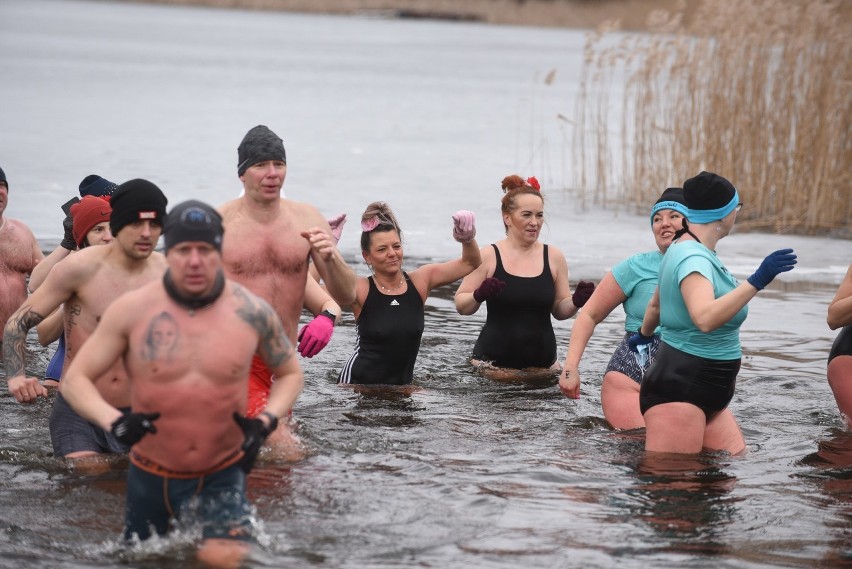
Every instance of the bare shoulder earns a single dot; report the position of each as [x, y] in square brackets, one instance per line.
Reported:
[228, 208]
[556, 255]
[20, 230]
[309, 215]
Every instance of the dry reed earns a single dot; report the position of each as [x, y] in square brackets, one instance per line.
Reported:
[760, 92]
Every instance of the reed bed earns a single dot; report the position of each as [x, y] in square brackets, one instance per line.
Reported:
[757, 91]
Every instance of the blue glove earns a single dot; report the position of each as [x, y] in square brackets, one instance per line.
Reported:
[636, 340]
[775, 263]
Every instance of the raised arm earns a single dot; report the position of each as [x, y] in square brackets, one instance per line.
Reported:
[338, 277]
[439, 274]
[840, 309]
[603, 301]
[40, 271]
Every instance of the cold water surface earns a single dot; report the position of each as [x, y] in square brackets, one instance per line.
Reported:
[464, 472]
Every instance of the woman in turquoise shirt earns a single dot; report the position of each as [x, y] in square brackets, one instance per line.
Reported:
[631, 283]
[699, 307]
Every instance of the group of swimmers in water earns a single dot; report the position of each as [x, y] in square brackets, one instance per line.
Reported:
[144, 368]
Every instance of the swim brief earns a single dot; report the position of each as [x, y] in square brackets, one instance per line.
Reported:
[624, 361]
[676, 376]
[842, 345]
[216, 499]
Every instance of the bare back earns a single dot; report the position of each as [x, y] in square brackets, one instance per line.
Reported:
[264, 251]
[193, 370]
[19, 254]
[99, 281]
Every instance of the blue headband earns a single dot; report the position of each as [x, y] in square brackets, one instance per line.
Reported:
[710, 215]
[673, 205]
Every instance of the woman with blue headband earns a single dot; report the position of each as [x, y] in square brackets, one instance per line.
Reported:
[631, 284]
[699, 307]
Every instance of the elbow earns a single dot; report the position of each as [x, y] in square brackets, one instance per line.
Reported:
[705, 325]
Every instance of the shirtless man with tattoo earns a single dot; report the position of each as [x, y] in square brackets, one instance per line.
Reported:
[19, 255]
[269, 241]
[188, 340]
[86, 283]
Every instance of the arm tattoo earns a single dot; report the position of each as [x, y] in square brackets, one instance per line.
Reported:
[274, 344]
[15, 340]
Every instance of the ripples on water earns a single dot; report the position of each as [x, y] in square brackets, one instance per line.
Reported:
[465, 472]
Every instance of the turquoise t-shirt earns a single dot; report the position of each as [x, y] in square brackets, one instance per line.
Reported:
[637, 277]
[676, 327]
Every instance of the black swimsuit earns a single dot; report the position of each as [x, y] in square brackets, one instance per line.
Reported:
[389, 331]
[518, 333]
[842, 345]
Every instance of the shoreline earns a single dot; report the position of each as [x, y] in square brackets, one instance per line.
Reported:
[579, 14]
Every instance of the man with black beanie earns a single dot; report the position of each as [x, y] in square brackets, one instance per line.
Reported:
[84, 284]
[19, 256]
[269, 243]
[188, 427]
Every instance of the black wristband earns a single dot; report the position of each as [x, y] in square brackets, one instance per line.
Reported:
[273, 421]
[328, 314]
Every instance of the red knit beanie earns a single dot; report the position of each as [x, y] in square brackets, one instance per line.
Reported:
[87, 213]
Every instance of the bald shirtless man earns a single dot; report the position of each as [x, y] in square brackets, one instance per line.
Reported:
[19, 255]
[86, 283]
[187, 341]
[269, 241]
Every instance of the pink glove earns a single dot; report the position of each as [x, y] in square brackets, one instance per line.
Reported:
[336, 224]
[582, 293]
[316, 334]
[464, 226]
[489, 288]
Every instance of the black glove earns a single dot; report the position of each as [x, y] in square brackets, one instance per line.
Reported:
[68, 239]
[131, 427]
[256, 432]
[774, 264]
[489, 288]
[582, 293]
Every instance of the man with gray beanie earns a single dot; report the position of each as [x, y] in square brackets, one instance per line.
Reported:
[19, 256]
[84, 284]
[190, 438]
[270, 242]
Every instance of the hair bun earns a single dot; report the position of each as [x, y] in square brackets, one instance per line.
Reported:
[512, 182]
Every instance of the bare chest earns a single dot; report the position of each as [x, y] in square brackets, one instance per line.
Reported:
[16, 251]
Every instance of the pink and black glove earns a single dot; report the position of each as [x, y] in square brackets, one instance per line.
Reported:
[582, 293]
[316, 334]
[464, 226]
[336, 224]
[489, 289]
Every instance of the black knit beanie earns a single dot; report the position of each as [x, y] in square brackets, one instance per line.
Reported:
[258, 145]
[709, 197]
[94, 185]
[136, 200]
[193, 221]
[3, 178]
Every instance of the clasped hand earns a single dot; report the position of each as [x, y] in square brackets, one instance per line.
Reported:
[464, 226]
